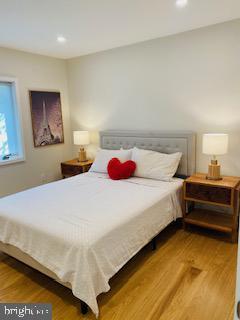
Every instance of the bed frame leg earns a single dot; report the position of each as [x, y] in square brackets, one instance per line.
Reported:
[84, 307]
[154, 244]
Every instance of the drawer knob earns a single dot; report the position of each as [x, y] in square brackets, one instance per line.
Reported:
[238, 309]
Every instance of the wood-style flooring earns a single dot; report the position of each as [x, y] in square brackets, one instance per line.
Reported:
[191, 276]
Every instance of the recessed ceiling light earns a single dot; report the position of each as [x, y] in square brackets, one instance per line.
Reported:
[61, 39]
[181, 3]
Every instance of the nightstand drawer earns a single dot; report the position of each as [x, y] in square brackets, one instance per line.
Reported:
[208, 193]
[73, 167]
[70, 170]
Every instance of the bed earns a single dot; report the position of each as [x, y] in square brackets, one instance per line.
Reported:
[81, 231]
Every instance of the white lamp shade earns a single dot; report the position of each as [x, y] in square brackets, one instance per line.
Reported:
[215, 143]
[81, 138]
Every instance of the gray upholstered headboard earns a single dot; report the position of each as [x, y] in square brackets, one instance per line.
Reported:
[162, 141]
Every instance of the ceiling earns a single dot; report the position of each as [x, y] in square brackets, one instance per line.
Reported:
[95, 25]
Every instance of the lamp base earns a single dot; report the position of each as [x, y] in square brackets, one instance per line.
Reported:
[214, 171]
[82, 156]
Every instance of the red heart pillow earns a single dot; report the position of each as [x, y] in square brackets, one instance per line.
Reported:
[118, 170]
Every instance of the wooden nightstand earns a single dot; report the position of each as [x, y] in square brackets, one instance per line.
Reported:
[222, 193]
[73, 167]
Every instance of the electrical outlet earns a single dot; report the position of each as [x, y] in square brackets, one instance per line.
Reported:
[43, 177]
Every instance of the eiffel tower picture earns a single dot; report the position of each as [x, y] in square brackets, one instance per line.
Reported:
[45, 135]
[46, 118]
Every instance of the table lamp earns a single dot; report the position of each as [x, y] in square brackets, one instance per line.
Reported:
[81, 138]
[214, 144]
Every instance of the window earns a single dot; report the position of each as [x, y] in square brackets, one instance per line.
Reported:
[11, 146]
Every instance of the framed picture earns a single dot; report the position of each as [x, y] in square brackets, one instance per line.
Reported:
[47, 121]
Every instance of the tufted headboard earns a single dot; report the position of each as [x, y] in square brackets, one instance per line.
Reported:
[161, 141]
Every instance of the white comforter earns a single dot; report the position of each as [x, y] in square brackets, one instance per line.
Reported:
[86, 228]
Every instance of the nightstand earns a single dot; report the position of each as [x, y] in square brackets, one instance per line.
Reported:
[212, 194]
[73, 167]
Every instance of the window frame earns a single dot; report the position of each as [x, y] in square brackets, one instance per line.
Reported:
[18, 119]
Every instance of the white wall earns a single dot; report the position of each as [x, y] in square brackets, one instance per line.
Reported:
[189, 81]
[35, 72]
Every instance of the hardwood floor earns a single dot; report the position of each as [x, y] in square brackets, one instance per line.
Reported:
[189, 277]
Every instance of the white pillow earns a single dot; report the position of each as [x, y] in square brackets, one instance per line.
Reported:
[104, 156]
[155, 165]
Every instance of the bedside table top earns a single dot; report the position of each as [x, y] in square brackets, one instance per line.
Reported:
[226, 182]
[75, 162]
